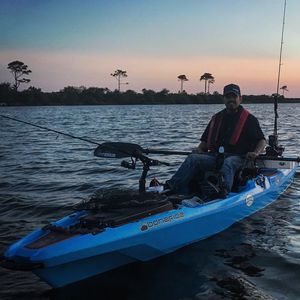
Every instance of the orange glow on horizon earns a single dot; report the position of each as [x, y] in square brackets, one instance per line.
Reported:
[54, 70]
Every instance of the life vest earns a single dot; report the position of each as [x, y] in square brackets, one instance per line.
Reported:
[216, 123]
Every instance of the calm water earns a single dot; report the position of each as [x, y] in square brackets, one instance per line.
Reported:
[42, 175]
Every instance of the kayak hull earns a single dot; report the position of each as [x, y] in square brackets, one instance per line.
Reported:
[82, 256]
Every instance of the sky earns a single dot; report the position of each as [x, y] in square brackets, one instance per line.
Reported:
[80, 43]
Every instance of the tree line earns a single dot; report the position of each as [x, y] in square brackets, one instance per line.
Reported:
[103, 96]
[70, 95]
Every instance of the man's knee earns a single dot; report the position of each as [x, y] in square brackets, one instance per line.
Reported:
[232, 162]
[193, 158]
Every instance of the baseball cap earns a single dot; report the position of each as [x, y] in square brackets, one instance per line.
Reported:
[232, 88]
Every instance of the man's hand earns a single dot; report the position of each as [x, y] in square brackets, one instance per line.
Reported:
[202, 148]
[197, 151]
[252, 155]
[258, 149]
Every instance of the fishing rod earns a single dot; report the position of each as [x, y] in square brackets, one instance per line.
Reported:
[120, 149]
[53, 130]
[280, 64]
[273, 149]
[112, 145]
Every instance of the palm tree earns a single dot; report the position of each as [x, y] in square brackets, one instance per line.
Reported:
[210, 81]
[118, 74]
[206, 77]
[182, 78]
[284, 89]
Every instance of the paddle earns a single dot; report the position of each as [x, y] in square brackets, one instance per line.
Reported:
[121, 150]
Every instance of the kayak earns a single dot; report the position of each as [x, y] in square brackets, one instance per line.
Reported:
[90, 241]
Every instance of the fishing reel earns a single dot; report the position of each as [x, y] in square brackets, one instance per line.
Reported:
[129, 165]
[147, 163]
[273, 149]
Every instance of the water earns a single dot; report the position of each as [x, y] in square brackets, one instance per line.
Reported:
[42, 175]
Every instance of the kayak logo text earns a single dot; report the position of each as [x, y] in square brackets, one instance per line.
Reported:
[161, 221]
[249, 200]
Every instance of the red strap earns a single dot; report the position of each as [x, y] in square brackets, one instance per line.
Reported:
[239, 127]
[220, 119]
[214, 129]
[210, 131]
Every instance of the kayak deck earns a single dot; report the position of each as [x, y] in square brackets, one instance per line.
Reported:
[146, 234]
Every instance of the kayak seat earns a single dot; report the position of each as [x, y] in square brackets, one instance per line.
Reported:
[203, 183]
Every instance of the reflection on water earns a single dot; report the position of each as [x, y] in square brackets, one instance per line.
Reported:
[42, 175]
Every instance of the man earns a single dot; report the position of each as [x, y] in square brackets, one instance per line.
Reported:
[233, 130]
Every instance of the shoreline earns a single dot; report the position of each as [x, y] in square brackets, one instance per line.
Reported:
[2, 105]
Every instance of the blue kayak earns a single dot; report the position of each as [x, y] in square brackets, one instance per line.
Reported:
[82, 244]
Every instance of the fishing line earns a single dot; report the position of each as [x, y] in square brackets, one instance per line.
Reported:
[53, 130]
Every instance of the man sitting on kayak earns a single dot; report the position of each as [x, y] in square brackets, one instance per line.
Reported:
[234, 129]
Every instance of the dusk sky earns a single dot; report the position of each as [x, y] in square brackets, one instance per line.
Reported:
[75, 42]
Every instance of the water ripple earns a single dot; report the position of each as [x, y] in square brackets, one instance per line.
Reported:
[43, 174]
